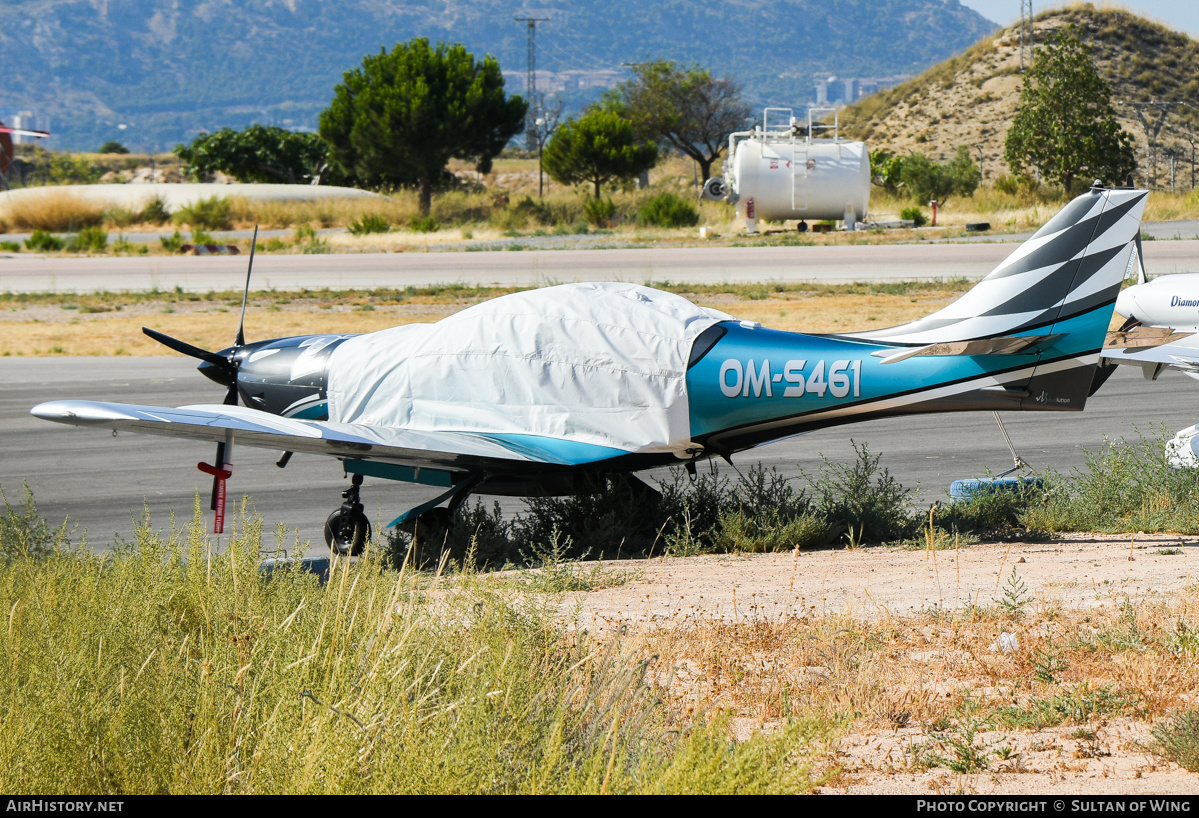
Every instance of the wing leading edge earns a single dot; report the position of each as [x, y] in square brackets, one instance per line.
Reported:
[453, 451]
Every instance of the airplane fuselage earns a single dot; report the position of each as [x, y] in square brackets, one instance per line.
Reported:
[1166, 301]
[748, 385]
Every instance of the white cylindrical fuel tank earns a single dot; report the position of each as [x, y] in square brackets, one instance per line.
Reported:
[801, 178]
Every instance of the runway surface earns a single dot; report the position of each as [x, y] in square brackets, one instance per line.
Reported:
[893, 262]
[103, 484]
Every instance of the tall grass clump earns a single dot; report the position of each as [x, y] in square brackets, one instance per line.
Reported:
[89, 239]
[1125, 486]
[169, 666]
[42, 242]
[52, 210]
[214, 213]
[1178, 739]
[600, 212]
[367, 224]
[863, 499]
[668, 210]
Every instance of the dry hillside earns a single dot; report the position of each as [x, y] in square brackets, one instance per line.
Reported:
[971, 98]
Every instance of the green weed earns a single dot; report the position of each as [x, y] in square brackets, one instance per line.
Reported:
[1178, 739]
[42, 242]
[215, 213]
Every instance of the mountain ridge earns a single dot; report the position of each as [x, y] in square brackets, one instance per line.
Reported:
[170, 68]
[970, 99]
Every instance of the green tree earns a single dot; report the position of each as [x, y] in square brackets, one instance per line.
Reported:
[260, 153]
[963, 172]
[401, 117]
[1065, 126]
[597, 147]
[924, 179]
[686, 108]
[112, 147]
[886, 170]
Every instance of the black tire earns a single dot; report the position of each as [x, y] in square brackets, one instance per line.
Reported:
[347, 532]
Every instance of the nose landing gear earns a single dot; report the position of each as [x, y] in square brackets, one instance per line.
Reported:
[348, 529]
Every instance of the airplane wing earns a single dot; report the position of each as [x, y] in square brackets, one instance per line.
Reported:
[446, 450]
[1154, 359]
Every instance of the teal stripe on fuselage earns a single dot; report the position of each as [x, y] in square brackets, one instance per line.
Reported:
[728, 388]
[555, 451]
[317, 411]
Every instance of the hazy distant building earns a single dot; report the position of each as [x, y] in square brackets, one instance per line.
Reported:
[832, 90]
[18, 118]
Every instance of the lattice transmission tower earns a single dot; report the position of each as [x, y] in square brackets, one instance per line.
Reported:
[531, 81]
[1026, 46]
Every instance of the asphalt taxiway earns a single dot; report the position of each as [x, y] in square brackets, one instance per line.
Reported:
[22, 272]
[105, 485]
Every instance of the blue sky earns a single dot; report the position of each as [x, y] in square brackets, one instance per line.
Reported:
[1182, 15]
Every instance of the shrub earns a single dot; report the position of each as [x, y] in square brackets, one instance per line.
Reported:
[915, 215]
[862, 499]
[52, 210]
[424, 224]
[113, 147]
[24, 532]
[519, 215]
[43, 242]
[10, 246]
[89, 239]
[173, 242]
[619, 514]
[209, 214]
[368, 224]
[1124, 487]
[155, 212]
[600, 212]
[668, 210]
[1178, 739]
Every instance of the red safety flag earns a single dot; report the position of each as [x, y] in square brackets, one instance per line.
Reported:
[221, 475]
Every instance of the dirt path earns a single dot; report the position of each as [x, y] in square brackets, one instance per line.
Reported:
[1077, 571]
[883, 638]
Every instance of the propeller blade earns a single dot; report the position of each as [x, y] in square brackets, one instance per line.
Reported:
[188, 349]
[241, 323]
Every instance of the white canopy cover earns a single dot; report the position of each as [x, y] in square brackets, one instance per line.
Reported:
[598, 363]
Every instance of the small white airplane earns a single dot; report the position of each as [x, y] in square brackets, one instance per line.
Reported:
[1161, 332]
[543, 392]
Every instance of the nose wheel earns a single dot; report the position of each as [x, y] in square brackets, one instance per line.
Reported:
[348, 529]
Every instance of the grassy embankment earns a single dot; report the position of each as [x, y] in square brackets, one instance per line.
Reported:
[503, 207]
[110, 323]
[168, 667]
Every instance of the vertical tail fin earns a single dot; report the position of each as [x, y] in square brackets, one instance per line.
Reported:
[1059, 287]
[1072, 265]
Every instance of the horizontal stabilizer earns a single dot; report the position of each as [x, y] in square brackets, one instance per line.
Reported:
[1018, 345]
[1143, 337]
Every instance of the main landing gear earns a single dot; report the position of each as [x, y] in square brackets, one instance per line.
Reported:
[348, 529]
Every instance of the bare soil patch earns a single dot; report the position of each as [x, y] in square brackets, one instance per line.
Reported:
[947, 674]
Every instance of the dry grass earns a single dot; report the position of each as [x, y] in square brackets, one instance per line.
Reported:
[52, 210]
[926, 702]
[172, 666]
[79, 325]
